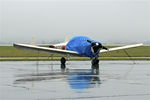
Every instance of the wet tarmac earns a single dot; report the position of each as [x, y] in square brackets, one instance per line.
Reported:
[45, 80]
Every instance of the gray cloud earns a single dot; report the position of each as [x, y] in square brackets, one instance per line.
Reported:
[48, 20]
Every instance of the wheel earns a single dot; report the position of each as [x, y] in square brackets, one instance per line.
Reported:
[63, 60]
[95, 61]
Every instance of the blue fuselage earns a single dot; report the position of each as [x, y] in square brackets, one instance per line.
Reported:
[80, 45]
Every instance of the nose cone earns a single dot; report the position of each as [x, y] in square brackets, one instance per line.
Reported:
[96, 47]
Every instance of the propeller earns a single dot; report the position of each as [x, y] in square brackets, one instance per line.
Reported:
[96, 46]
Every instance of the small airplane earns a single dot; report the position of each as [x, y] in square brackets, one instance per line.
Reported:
[79, 46]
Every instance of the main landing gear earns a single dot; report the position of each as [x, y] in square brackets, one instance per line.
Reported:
[95, 63]
[63, 63]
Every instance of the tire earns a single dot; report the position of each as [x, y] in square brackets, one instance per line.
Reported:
[95, 61]
[63, 60]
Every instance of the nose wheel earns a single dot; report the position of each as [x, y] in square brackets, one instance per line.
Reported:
[95, 61]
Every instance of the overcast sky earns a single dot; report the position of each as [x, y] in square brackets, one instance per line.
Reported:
[48, 20]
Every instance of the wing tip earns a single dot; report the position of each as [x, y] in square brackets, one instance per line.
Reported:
[140, 44]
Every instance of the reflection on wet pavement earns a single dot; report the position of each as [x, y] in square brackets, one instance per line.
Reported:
[112, 80]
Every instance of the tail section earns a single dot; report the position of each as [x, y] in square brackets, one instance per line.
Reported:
[66, 39]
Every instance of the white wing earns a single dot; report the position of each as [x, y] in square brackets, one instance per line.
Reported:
[46, 49]
[122, 47]
[66, 52]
